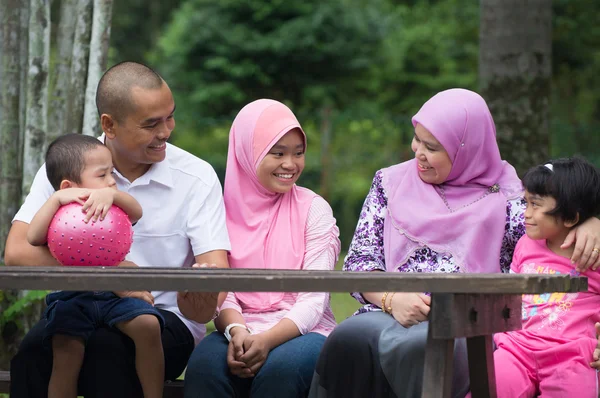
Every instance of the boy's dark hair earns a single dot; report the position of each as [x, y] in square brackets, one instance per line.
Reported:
[65, 158]
[573, 182]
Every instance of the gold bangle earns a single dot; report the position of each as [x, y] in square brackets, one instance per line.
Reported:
[383, 298]
[389, 308]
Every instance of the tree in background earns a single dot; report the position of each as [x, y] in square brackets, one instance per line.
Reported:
[515, 50]
[27, 75]
[218, 56]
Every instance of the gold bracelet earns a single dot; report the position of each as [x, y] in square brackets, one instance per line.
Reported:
[383, 301]
[389, 309]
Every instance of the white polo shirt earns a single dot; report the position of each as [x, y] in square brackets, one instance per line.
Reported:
[184, 216]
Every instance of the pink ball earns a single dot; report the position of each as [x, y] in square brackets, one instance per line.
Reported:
[103, 243]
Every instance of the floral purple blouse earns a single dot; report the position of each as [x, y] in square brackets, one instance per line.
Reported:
[366, 249]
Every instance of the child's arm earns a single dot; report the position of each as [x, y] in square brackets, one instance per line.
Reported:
[38, 228]
[101, 200]
[129, 205]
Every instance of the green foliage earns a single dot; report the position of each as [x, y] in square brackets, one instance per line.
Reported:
[575, 101]
[370, 65]
[18, 305]
[220, 55]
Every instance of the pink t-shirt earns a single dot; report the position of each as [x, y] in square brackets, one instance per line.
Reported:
[553, 318]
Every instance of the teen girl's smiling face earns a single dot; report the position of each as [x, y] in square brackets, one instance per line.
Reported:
[282, 165]
[433, 163]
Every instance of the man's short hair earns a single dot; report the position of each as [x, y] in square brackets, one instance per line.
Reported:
[113, 96]
[65, 157]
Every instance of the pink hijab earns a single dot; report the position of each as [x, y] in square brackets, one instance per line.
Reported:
[266, 229]
[469, 224]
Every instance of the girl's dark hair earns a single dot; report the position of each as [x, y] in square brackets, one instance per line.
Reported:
[65, 158]
[573, 182]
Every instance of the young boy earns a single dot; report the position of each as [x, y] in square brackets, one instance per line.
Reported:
[551, 355]
[80, 169]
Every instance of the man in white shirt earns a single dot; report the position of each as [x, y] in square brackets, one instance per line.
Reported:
[183, 224]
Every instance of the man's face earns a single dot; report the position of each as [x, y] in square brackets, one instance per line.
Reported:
[141, 138]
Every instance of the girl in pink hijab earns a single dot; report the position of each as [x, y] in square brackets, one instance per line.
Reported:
[267, 344]
[456, 207]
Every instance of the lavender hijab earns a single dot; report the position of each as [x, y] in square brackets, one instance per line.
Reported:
[465, 216]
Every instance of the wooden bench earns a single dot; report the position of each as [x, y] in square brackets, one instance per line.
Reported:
[462, 305]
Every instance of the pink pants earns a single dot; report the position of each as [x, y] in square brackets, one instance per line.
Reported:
[560, 371]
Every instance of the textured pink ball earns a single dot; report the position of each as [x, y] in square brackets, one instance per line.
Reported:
[103, 243]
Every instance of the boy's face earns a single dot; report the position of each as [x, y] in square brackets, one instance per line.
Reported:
[98, 169]
[538, 224]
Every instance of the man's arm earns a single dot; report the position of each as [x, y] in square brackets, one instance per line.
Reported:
[19, 252]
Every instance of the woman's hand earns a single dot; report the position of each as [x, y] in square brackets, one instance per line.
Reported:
[587, 245]
[410, 309]
[256, 351]
[235, 350]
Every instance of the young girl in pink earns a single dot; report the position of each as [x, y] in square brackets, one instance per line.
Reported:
[551, 355]
[267, 344]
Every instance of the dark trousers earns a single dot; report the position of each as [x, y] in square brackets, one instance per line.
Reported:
[108, 369]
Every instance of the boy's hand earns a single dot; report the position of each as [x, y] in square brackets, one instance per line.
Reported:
[72, 195]
[98, 203]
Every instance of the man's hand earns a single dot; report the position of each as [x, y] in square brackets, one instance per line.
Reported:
[198, 306]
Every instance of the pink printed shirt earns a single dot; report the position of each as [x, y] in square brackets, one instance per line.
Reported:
[552, 318]
[311, 312]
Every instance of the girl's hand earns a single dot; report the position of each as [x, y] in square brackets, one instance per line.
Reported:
[234, 352]
[410, 309]
[256, 351]
[596, 356]
[587, 245]
[99, 202]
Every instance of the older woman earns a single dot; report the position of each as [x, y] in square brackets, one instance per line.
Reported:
[455, 207]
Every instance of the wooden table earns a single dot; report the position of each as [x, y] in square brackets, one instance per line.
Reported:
[462, 305]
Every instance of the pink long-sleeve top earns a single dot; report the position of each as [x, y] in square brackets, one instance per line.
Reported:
[311, 312]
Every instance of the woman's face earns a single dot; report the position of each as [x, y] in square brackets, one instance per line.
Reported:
[433, 163]
[282, 165]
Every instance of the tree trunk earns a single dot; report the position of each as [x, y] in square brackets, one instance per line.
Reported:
[24, 55]
[10, 179]
[98, 59]
[79, 66]
[60, 74]
[515, 49]
[24, 307]
[37, 90]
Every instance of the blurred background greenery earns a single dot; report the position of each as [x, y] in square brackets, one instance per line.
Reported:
[353, 71]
